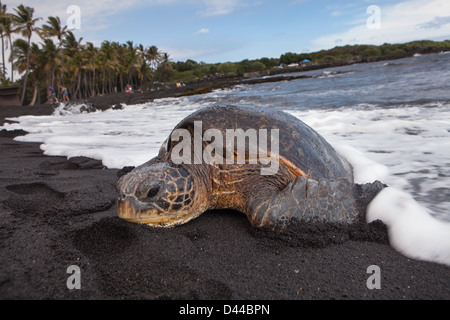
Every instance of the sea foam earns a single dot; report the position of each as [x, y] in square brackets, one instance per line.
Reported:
[412, 230]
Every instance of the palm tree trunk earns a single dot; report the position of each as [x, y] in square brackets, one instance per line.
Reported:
[3, 56]
[104, 83]
[77, 92]
[109, 82]
[86, 87]
[33, 101]
[53, 75]
[62, 72]
[26, 71]
[12, 59]
[129, 78]
[93, 82]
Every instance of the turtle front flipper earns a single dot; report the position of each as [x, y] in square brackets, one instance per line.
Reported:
[306, 199]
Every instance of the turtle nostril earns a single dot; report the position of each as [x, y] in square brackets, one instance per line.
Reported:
[122, 196]
[153, 191]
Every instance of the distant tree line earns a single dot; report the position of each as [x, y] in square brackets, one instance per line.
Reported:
[61, 60]
[191, 70]
[364, 51]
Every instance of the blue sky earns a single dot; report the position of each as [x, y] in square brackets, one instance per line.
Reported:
[233, 30]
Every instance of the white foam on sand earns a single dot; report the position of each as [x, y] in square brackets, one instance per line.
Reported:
[127, 137]
[365, 170]
[412, 230]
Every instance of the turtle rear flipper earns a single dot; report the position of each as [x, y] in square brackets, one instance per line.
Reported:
[366, 193]
[336, 201]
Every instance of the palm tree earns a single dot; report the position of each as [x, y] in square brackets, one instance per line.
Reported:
[51, 54]
[131, 59]
[24, 19]
[53, 28]
[165, 68]
[20, 48]
[153, 56]
[143, 67]
[86, 65]
[8, 27]
[121, 63]
[109, 59]
[72, 49]
[32, 56]
[2, 34]
[91, 55]
[147, 61]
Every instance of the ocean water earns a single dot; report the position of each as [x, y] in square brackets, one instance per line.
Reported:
[391, 120]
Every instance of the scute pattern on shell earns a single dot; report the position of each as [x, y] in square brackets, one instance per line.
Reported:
[298, 142]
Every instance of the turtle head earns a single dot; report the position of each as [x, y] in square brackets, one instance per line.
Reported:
[160, 195]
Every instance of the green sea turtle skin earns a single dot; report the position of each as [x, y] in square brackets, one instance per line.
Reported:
[313, 182]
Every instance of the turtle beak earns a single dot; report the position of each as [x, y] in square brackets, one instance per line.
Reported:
[132, 209]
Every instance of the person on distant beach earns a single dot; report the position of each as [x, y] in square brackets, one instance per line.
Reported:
[51, 95]
[65, 93]
[129, 89]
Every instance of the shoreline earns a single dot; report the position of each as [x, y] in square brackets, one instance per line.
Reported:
[57, 212]
[208, 85]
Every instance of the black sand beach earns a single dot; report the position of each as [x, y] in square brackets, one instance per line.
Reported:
[55, 213]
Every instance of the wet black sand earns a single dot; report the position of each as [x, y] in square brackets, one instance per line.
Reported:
[56, 212]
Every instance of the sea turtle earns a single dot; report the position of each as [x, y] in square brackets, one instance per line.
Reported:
[312, 181]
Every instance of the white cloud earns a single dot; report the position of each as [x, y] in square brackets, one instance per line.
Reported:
[436, 23]
[202, 31]
[94, 14]
[403, 22]
[337, 13]
[294, 2]
[181, 54]
[47, 8]
[220, 7]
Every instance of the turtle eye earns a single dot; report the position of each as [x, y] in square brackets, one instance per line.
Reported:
[153, 191]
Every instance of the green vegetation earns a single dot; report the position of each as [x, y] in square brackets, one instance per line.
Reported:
[191, 70]
[363, 51]
[62, 60]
